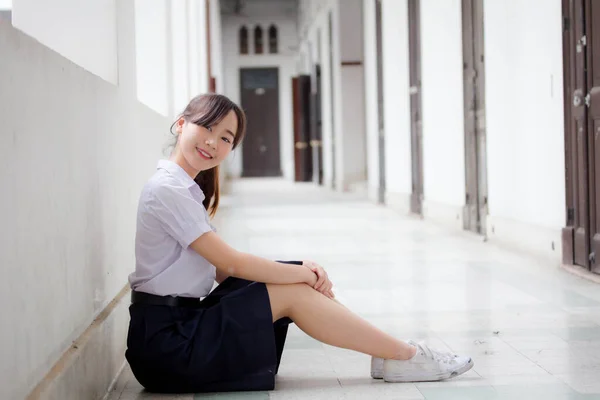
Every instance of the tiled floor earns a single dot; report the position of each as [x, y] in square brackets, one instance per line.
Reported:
[532, 329]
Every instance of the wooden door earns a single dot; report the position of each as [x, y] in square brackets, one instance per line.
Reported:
[260, 100]
[381, 132]
[474, 112]
[302, 150]
[581, 53]
[316, 132]
[593, 104]
[414, 38]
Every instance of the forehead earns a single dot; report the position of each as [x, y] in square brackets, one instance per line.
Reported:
[229, 121]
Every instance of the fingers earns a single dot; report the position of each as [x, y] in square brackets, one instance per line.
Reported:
[323, 284]
[322, 277]
[326, 289]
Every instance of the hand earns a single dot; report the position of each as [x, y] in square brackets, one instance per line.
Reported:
[323, 284]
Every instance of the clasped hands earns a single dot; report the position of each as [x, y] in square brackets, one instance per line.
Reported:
[323, 284]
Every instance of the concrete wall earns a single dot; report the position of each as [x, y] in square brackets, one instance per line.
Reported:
[283, 60]
[171, 53]
[526, 194]
[152, 36]
[216, 32]
[354, 143]
[371, 98]
[346, 150]
[75, 152]
[442, 106]
[524, 95]
[85, 33]
[396, 104]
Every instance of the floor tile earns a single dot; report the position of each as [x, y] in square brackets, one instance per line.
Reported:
[233, 396]
[533, 330]
[459, 393]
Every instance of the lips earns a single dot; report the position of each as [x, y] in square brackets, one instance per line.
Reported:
[204, 154]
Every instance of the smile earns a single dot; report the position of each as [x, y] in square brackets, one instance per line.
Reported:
[204, 154]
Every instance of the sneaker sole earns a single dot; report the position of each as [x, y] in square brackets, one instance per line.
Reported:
[440, 377]
[377, 374]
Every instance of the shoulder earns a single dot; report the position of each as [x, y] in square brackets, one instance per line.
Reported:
[164, 187]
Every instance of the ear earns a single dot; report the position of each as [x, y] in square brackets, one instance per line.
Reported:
[179, 125]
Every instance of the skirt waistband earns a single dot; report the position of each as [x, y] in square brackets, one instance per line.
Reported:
[171, 301]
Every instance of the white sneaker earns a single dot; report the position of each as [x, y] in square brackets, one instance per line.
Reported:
[376, 368]
[426, 366]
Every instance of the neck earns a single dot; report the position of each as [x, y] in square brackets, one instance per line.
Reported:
[180, 160]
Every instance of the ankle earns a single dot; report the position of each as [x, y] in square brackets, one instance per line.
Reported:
[407, 353]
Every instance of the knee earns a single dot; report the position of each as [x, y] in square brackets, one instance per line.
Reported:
[292, 288]
[289, 295]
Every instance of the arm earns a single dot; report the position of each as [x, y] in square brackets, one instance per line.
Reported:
[221, 277]
[230, 262]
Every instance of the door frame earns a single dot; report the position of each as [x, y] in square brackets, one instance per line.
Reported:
[416, 107]
[380, 100]
[475, 209]
[316, 126]
[302, 150]
[580, 236]
[574, 235]
[568, 248]
[277, 70]
[333, 99]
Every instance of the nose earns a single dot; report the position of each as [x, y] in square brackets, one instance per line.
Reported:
[211, 142]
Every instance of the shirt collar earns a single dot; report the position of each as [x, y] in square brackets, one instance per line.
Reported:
[177, 172]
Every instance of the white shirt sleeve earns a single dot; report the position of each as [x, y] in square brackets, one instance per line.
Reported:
[182, 216]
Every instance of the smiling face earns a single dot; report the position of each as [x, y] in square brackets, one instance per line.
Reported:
[200, 148]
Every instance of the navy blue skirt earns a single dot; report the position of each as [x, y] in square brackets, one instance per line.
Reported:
[230, 343]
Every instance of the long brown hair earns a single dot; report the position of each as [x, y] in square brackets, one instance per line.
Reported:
[207, 110]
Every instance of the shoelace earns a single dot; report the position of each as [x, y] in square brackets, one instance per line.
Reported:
[436, 355]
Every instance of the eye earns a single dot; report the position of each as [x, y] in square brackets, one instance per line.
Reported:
[226, 140]
[209, 128]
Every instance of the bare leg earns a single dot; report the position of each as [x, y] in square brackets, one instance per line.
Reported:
[330, 322]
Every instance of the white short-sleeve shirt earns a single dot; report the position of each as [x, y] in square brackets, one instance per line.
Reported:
[170, 217]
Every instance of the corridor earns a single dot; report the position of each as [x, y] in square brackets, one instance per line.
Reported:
[532, 330]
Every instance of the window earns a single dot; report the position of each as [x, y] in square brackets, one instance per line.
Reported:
[243, 40]
[258, 40]
[273, 39]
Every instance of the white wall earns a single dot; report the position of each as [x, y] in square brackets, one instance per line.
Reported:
[326, 102]
[196, 48]
[180, 57]
[396, 103]
[353, 123]
[171, 53]
[314, 17]
[83, 32]
[284, 60]
[353, 93]
[351, 32]
[74, 154]
[371, 93]
[314, 28]
[153, 37]
[216, 44]
[5, 4]
[524, 95]
[442, 106]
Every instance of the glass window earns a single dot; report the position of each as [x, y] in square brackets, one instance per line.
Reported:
[258, 40]
[243, 40]
[273, 39]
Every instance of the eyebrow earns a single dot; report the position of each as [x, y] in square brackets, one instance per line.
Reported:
[231, 133]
